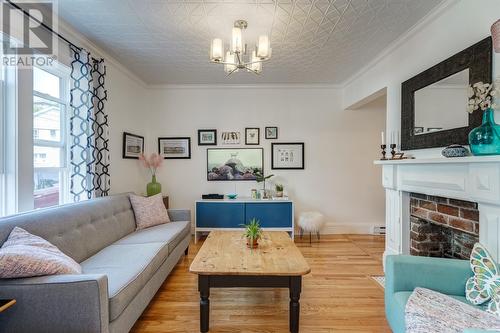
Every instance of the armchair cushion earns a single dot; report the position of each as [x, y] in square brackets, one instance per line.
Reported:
[482, 288]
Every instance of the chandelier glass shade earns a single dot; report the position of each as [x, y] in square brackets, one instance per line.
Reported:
[237, 58]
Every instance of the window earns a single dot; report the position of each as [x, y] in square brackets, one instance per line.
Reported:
[50, 126]
[3, 140]
[8, 138]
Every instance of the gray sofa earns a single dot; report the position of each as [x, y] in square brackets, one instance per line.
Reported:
[122, 268]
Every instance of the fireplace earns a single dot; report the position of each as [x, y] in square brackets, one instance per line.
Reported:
[472, 185]
[442, 227]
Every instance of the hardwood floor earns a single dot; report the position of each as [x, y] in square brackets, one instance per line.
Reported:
[338, 295]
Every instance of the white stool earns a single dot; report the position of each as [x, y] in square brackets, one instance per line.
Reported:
[311, 222]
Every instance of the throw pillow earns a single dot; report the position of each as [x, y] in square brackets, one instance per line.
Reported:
[26, 255]
[430, 311]
[484, 285]
[149, 211]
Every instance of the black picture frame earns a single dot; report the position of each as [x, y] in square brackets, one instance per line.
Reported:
[124, 145]
[478, 59]
[213, 131]
[270, 137]
[275, 145]
[233, 149]
[188, 139]
[246, 136]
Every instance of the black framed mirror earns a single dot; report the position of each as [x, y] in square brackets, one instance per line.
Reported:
[433, 110]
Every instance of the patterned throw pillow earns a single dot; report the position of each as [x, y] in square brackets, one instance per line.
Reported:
[484, 286]
[27, 255]
[149, 211]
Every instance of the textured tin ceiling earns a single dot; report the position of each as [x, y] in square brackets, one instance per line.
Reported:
[313, 41]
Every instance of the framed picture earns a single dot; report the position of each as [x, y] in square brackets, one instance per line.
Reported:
[207, 137]
[271, 133]
[287, 156]
[133, 145]
[252, 136]
[231, 138]
[174, 148]
[226, 164]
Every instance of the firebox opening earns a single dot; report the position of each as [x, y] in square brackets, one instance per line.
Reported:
[442, 227]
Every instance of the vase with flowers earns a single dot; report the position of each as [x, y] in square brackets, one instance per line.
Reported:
[485, 139]
[152, 162]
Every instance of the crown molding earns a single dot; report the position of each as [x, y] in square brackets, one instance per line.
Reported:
[417, 27]
[77, 37]
[246, 86]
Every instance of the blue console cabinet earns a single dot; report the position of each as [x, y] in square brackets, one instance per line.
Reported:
[231, 214]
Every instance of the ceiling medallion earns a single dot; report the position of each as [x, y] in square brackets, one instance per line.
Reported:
[234, 59]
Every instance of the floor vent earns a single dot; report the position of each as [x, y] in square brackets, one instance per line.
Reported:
[379, 230]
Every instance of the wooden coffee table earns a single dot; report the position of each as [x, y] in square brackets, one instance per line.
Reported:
[224, 261]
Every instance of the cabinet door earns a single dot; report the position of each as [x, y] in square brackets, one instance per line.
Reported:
[219, 215]
[271, 215]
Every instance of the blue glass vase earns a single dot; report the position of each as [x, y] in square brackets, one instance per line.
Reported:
[485, 139]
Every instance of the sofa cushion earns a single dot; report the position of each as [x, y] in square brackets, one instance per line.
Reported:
[171, 233]
[128, 267]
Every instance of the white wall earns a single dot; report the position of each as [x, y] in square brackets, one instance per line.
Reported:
[339, 179]
[127, 112]
[456, 27]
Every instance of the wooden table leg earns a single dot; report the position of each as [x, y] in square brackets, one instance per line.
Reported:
[295, 289]
[204, 289]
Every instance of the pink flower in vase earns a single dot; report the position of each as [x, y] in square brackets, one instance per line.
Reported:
[153, 162]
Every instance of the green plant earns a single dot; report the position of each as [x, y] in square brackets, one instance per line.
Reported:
[253, 231]
[260, 178]
[279, 187]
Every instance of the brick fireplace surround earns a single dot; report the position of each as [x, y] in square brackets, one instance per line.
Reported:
[442, 227]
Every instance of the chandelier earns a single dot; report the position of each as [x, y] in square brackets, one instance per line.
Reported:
[236, 58]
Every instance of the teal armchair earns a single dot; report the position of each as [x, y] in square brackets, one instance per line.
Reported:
[405, 273]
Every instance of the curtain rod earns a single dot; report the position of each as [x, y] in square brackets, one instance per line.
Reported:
[43, 25]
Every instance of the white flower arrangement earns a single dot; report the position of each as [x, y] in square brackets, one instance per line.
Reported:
[482, 95]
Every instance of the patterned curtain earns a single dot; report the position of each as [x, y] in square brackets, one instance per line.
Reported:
[89, 133]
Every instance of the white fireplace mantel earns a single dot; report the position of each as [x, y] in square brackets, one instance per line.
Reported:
[471, 178]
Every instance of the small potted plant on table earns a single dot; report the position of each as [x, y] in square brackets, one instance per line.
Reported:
[253, 232]
[279, 190]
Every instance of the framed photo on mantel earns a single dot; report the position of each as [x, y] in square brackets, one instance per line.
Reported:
[174, 147]
[287, 156]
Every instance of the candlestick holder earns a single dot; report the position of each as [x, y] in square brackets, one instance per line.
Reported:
[393, 150]
[383, 147]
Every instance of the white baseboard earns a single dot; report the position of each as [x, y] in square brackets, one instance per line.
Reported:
[351, 228]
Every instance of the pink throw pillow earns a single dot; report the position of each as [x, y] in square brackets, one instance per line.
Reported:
[26, 255]
[149, 211]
